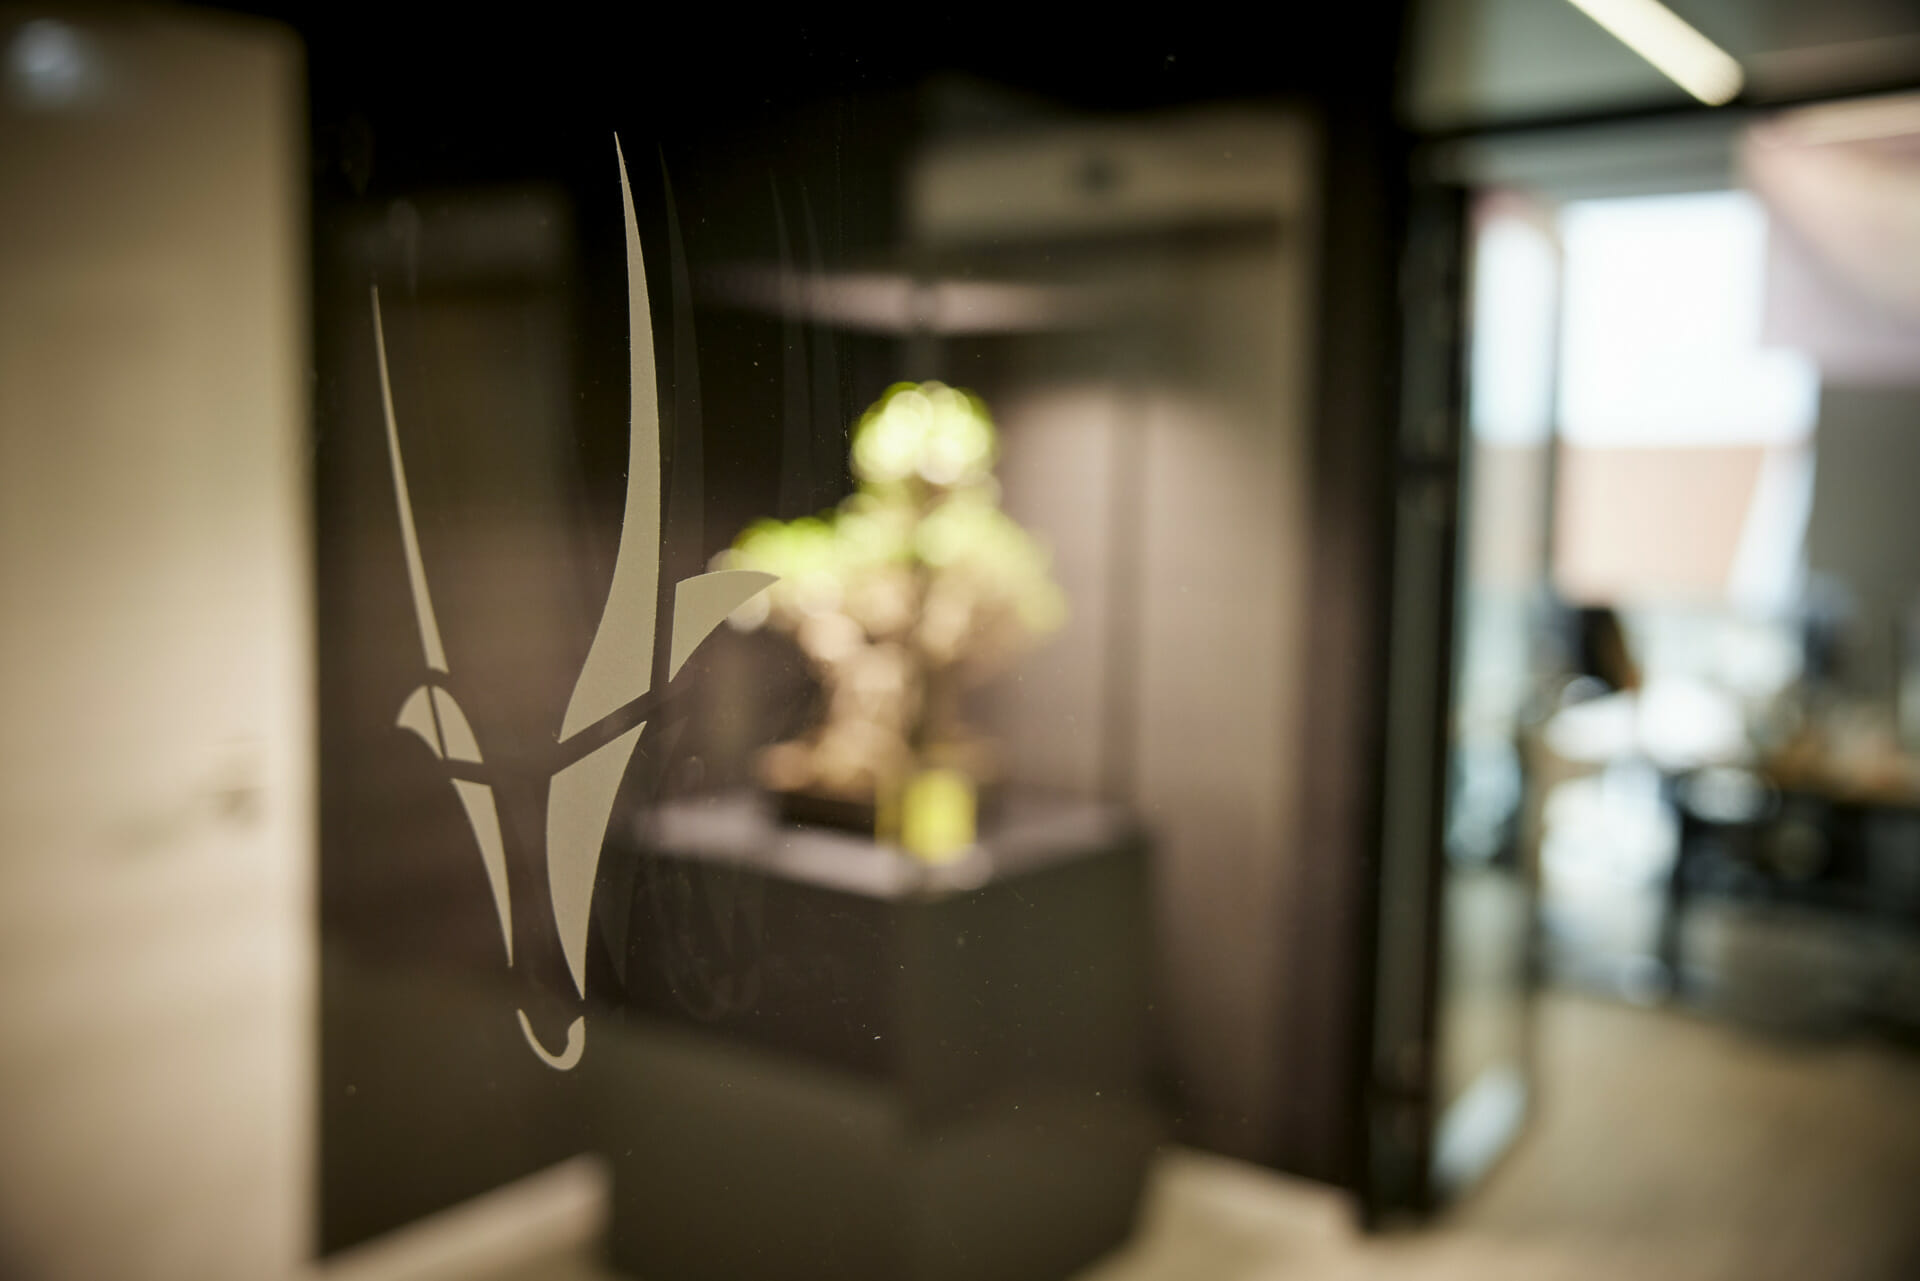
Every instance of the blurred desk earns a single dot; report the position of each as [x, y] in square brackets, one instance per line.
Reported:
[1832, 843]
[844, 1063]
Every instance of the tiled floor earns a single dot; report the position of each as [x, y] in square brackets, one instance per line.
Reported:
[1666, 1148]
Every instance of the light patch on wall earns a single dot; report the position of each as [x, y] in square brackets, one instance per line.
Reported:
[53, 65]
[1661, 337]
[1687, 462]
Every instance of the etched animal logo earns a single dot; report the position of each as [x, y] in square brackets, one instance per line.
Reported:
[617, 673]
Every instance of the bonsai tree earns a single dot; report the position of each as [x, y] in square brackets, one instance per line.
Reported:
[915, 589]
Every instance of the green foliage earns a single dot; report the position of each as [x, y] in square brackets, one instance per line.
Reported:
[915, 587]
[927, 504]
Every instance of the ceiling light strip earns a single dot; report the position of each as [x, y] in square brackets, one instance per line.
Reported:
[1664, 39]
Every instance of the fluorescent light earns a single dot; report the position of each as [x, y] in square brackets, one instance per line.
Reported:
[1663, 38]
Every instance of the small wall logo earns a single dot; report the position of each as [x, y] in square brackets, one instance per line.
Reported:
[617, 673]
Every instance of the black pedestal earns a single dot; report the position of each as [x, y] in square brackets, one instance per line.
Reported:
[833, 1062]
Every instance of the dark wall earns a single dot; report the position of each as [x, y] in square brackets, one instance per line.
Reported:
[1333, 938]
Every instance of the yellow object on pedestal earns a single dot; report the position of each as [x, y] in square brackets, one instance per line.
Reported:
[936, 815]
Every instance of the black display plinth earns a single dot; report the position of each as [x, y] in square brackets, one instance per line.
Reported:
[839, 1063]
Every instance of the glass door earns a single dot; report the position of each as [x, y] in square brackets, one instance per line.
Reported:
[1448, 1082]
[1487, 848]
